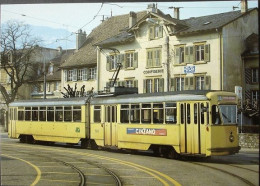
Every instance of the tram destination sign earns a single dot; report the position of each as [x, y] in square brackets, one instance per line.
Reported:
[147, 131]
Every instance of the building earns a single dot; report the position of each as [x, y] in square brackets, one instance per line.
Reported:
[53, 77]
[80, 69]
[161, 53]
[38, 55]
[250, 79]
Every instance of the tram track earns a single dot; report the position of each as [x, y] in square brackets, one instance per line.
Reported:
[246, 181]
[156, 175]
[81, 174]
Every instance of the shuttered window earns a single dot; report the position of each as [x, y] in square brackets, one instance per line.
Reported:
[155, 32]
[154, 57]
[131, 60]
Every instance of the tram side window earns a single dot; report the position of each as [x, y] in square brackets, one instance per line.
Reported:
[157, 113]
[97, 114]
[59, 114]
[28, 113]
[34, 113]
[195, 113]
[135, 114]
[67, 114]
[215, 115]
[182, 113]
[20, 114]
[42, 114]
[188, 113]
[170, 113]
[202, 113]
[124, 115]
[77, 113]
[146, 113]
[50, 114]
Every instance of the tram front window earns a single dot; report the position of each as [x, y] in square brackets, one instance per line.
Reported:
[228, 113]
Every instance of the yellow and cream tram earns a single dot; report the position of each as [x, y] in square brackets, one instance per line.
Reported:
[199, 123]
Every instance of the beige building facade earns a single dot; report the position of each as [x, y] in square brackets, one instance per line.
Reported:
[160, 53]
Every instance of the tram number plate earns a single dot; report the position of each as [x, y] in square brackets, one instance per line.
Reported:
[147, 131]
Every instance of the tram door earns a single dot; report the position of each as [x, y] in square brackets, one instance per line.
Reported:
[110, 137]
[192, 128]
[12, 122]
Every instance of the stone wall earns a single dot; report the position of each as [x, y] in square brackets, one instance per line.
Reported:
[247, 140]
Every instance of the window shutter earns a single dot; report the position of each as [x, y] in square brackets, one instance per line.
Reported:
[108, 63]
[161, 85]
[144, 85]
[136, 83]
[207, 82]
[122, 83]
[65, 75]
[186, 83]
[135, 65]
[122, 60]
[248, 76]
[191, 54]
[84, 74]
[160, 31]
[207, 53]
[149, 56]
[151, 33]
[186, 54]
[192, 83]
[74, 75]
[177, 55]
[172, 84]
[160, 57]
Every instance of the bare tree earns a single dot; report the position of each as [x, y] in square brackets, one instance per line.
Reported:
[17, 51]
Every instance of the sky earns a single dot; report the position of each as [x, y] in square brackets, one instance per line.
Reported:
[87, 16]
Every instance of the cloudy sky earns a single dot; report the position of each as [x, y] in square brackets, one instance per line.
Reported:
[87, 16]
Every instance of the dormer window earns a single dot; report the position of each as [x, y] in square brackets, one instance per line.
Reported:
[155, 32]
[50, 70]
[206, 23]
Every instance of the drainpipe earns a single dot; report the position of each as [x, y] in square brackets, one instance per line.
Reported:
[221, 59]
[98, 68]
[168, 75]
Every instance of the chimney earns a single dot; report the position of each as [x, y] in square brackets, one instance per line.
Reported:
[244, 6]
[80, 38]
[176, 11]
[151, 8]
[59, 49]
[132, 19]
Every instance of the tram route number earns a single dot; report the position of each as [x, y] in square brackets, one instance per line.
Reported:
[147, 131]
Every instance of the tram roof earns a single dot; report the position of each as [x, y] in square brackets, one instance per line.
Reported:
[152, 97]
[105, 99]
[50, 102]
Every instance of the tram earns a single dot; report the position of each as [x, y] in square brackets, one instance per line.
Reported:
[197, 123]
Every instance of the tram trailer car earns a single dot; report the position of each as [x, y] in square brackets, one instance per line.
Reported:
[197, 123]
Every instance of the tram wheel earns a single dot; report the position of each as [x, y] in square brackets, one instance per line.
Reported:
[172, 154]
[93, 145]
[84, 144]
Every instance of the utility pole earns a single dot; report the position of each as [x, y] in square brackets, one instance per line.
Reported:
[44, 78]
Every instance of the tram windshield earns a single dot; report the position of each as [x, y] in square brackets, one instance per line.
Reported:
[228, 113]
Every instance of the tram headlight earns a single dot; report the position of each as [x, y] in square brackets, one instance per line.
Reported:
[231, 137]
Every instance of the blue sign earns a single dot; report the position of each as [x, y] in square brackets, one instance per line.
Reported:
[189, 69]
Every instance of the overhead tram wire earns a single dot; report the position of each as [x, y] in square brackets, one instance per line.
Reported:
[72, 33]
